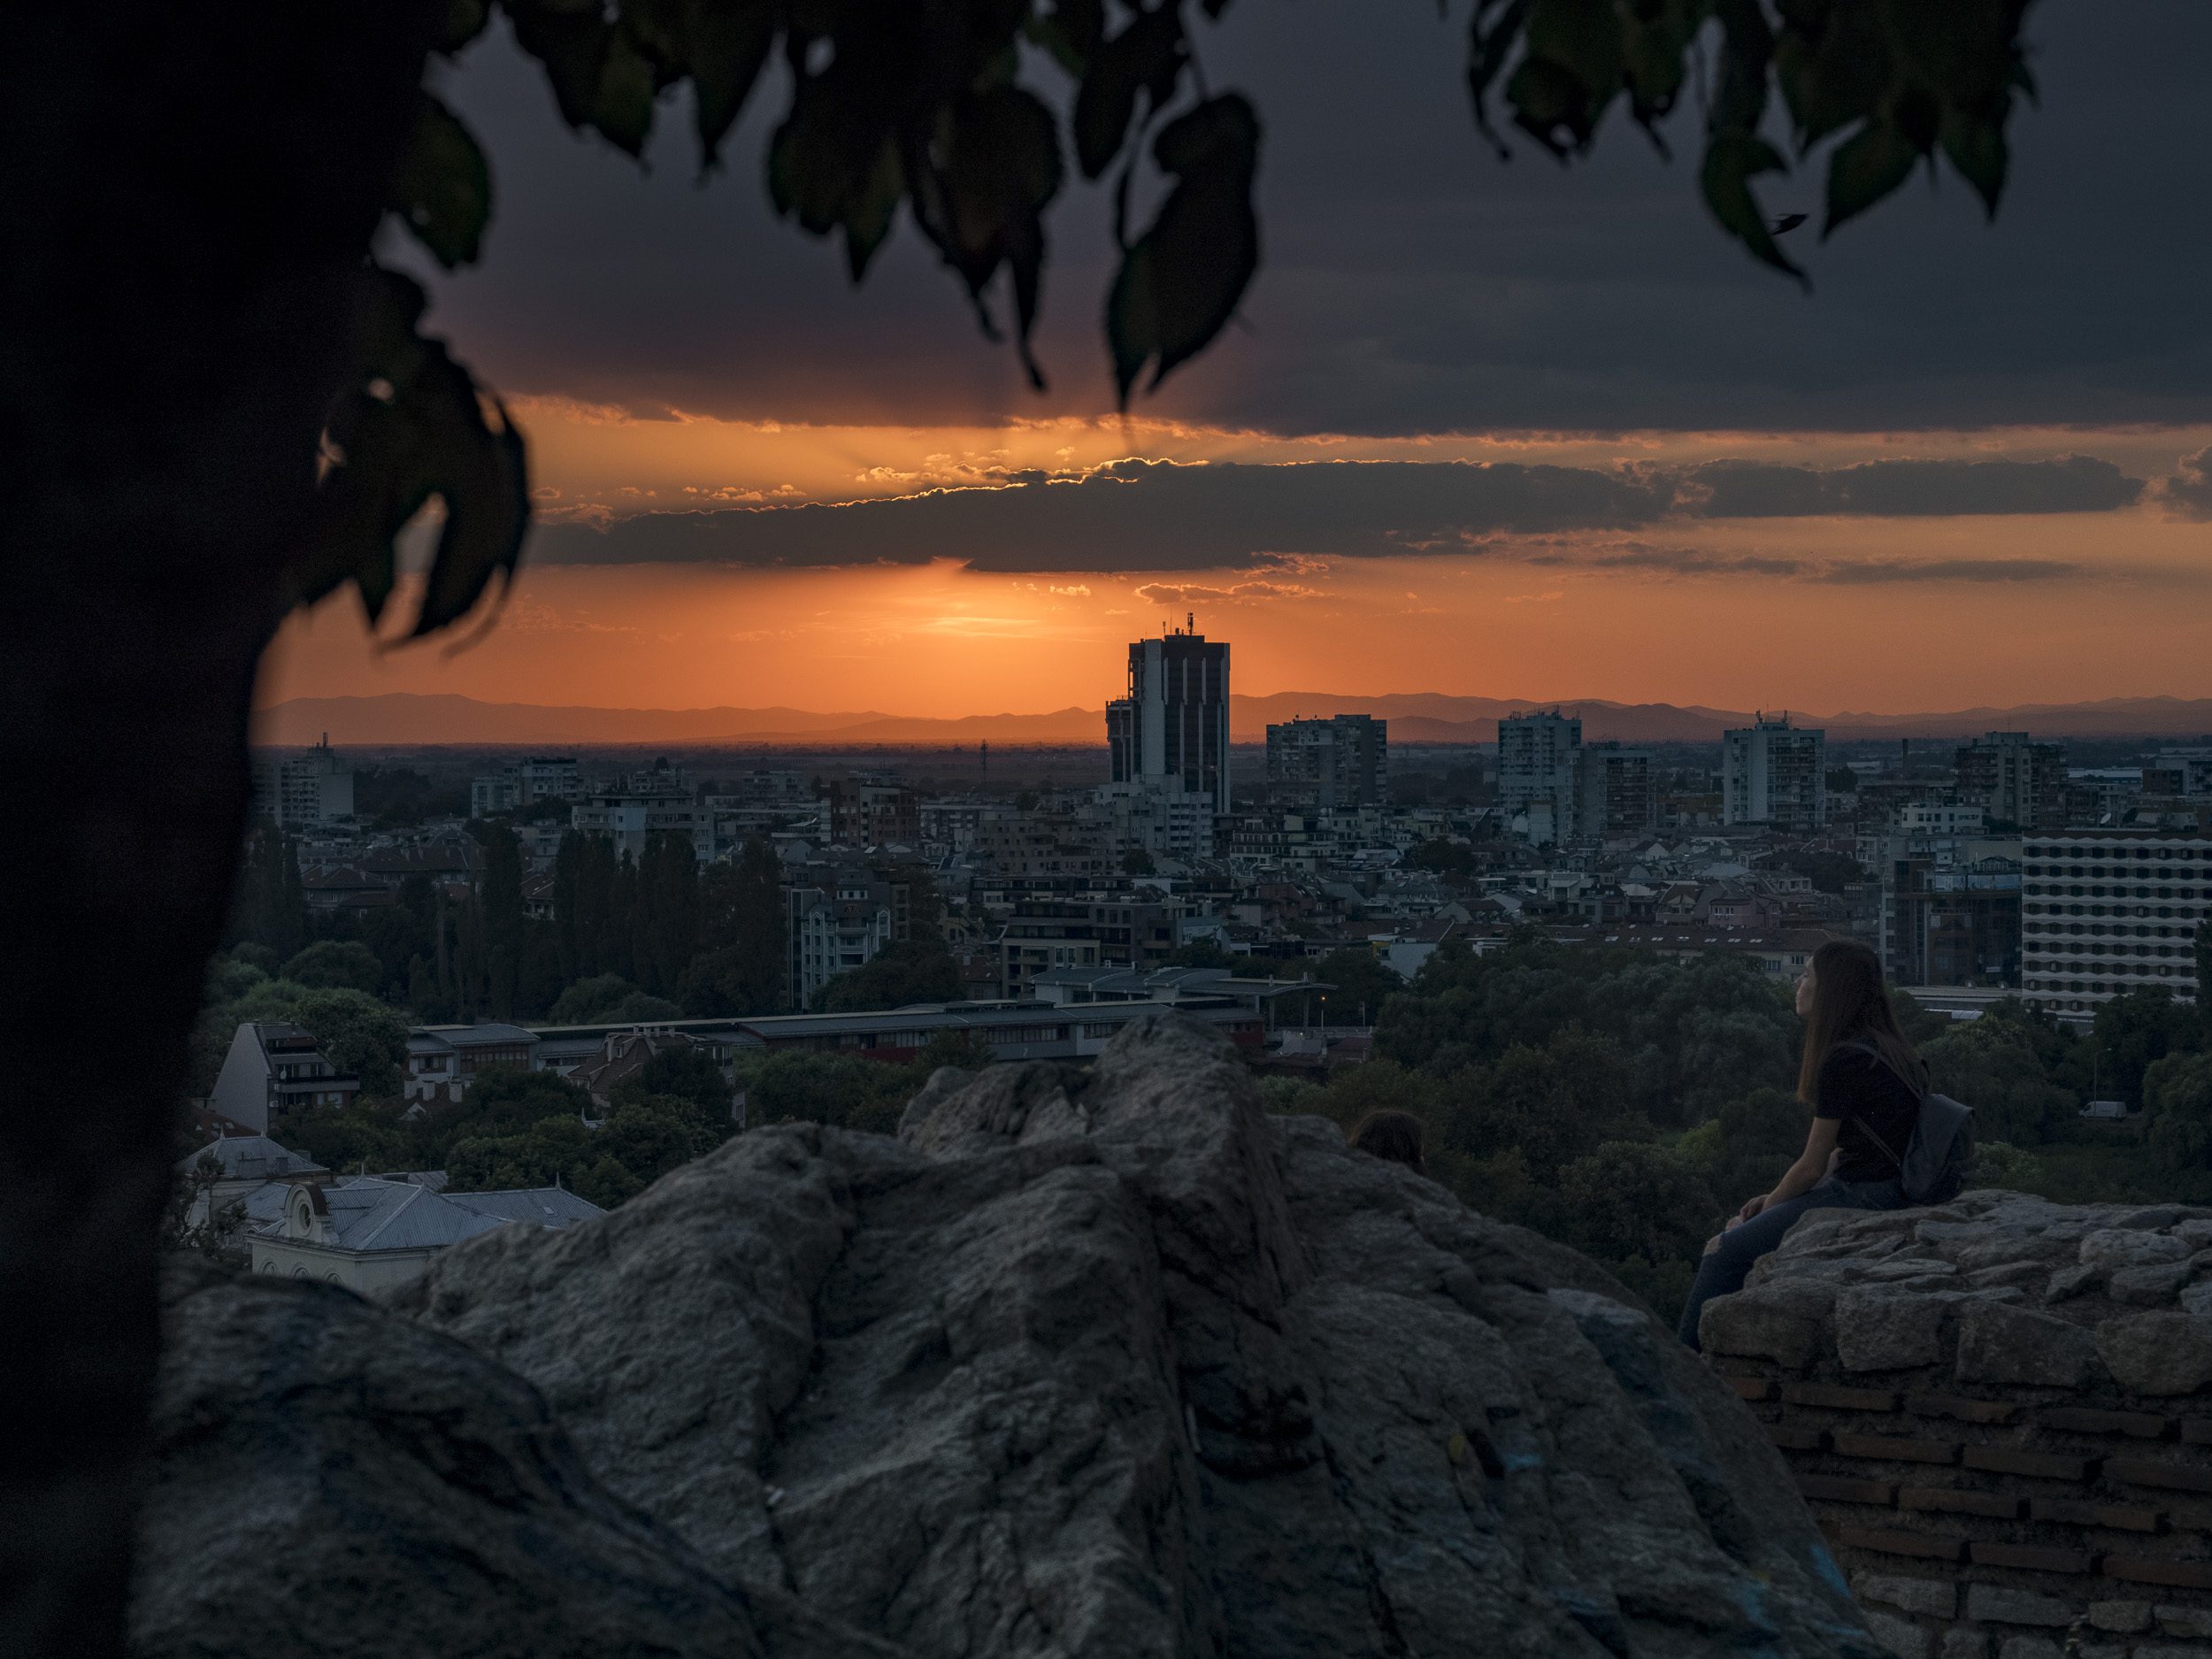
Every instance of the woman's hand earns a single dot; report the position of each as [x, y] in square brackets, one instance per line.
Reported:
[1752, 1206]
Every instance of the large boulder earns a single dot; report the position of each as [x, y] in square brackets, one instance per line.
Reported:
[331, 1479]
[1110, 1364]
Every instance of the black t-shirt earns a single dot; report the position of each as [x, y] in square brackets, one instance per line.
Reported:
[1861, 1090]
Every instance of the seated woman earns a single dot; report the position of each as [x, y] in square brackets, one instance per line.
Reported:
[1864, 1084]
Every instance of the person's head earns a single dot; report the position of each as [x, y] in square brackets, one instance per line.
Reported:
[1394, 1135]
[1843, 999]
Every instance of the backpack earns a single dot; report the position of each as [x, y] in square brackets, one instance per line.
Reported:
[1942, 1149]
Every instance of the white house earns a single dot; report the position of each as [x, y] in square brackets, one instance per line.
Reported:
[367, 1232]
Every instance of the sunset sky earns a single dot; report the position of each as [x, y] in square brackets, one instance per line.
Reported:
[1499, 429]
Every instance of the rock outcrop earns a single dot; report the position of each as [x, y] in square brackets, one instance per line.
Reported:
[1090, 1365]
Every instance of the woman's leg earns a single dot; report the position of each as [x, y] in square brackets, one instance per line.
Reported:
[1729, 1255]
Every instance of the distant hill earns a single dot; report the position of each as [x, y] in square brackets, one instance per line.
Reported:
[412, 720]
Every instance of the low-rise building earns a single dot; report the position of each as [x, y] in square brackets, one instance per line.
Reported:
[274, 1070]
[369, 1233]
[443, 1060]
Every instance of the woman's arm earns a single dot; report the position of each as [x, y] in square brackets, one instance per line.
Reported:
[1812, 1163]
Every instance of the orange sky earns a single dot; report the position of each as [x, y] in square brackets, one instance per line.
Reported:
[2130, 620]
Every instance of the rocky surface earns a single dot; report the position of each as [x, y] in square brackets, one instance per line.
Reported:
[333, 1479]
[1996, 1288]
[1103, 1363]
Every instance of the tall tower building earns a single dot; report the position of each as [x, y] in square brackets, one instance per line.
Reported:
[1343, 761]
[1171, 731]
[2014, 779]
[1537, 763]
[1775, 773]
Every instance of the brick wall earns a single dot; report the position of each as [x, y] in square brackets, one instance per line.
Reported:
[2009, 1464]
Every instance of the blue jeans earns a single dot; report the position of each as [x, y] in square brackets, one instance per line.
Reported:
[1725, 1267]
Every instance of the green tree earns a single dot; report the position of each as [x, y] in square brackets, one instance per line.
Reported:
[1632, 1198]
[741, 967]
[505, 1098]
[591, 1001]
[1744, 1148]
[502, 920]
[331, 964]
[1137, 862]
[2178, 1094]
[358, 1034]
[650, 1134]
[684, 1073]
[258, 340]
[2202, 950]
[271, 905]
[1364, 982]
[1993, 1065]
[904, 971]
[2131, 1034]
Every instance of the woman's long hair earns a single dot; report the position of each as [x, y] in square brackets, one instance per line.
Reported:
[1851, 1004]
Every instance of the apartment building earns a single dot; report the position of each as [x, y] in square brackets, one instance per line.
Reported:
[2109, 911]
[297, 790]
[1775, 774]
[1340, 762]
[2013, 779]
[1539, 757]
[274, 1070]
[1617, 792]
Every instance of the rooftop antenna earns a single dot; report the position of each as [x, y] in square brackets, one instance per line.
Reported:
[1190, 622]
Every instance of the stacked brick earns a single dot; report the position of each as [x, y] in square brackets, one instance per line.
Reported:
[2000, 1411]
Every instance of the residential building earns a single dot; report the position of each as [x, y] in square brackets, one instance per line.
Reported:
[1775, 774]
[837, 920]
[629, 820]
[1959, 925]
[1108, 930]
[2111, 910]
[549, 778]
[370, 1233]
[1617, 792]
[241, 1165]
[2102, 794]
[1172, 728]
[863, 813]
[2016, 782]
[443, 1060]
[502, 792]
[297, 790]
[1152, 818]
[274, 1071]
[1340, 762]
[1539, 757]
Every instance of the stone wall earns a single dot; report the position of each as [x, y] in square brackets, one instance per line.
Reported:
[2000, 1411]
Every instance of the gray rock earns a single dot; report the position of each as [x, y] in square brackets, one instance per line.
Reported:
[2183, 1621]
[330, 1477]
[1884, 1329]
[1785, 1320]
[2113, 1249]
[1938, 1598]
[2123, 1617]
[2073, 1281]
[2197, 1299]
[2158, 1353]
[2000, 1343]
[1998, 1605]
[1900, 1636]
[1116, 1365]
[2150, 1287]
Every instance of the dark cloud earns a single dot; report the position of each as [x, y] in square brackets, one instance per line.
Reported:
[2188, 492]
[1158, 516]
[1857, 573]
[1753, 489]
[1411, 283]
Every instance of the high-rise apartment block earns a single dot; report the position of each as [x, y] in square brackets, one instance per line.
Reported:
[1775, 774]
[297, 790]
[1340, 762]
[1171, 731]
[2109, 911]
[1538, 757]
[1617, 792]
[2014, 781]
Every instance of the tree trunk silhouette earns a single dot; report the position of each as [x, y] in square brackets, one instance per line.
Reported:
[186, 195]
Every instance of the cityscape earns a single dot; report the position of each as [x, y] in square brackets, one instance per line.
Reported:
[1108, 829]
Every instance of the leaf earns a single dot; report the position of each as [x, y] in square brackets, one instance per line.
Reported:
[572, 44]
[622, 104]
[869, 211]
[1488, 50]
[443, 190]
[1732, 159]
[725, 48]
[413, 427]
[1145, 57]
[1574, 65]
[1180, 281]
[1976, 145]
[1866, 167]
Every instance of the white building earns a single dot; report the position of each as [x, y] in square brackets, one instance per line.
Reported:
[1539, 757]
[1148, 817]
[1775, 773]
[2108, 911]
[836, 928]
[443, 1060]
[369, 1233]
[628, 819]
[241, 1165]
[273, 1070]
[500, 793]
[297, 790]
